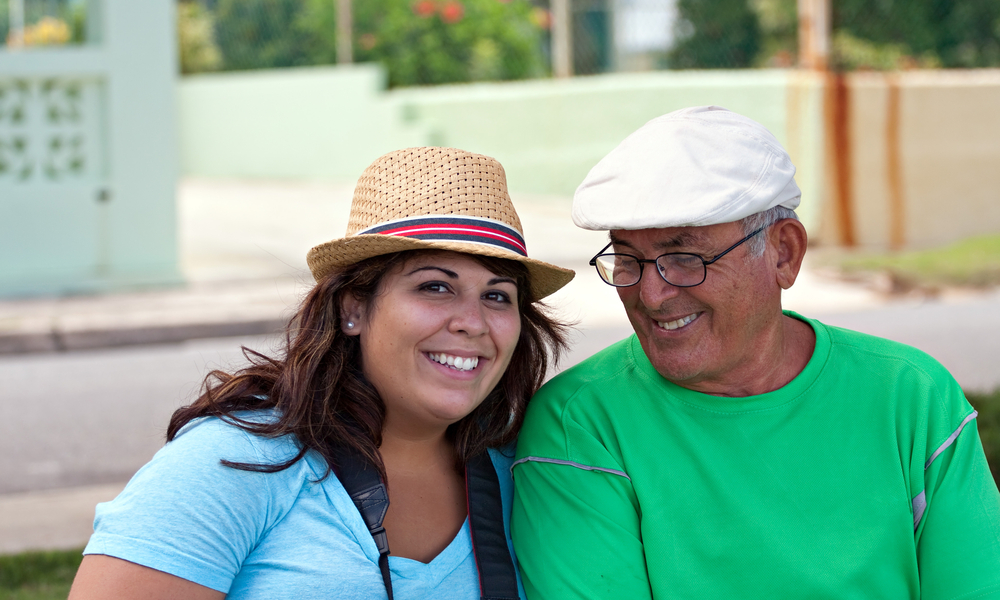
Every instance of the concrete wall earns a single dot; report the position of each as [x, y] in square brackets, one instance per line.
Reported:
[924, 146]
[331, 122]
[548, 134]
[307, 123]
[924, 153]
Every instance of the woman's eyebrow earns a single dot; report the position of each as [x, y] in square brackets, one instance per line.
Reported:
[497, 280]
[451, 274]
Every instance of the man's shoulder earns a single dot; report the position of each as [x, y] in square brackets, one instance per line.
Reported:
[887, 365]
[591, 388]
[602, 368]
[880, 351]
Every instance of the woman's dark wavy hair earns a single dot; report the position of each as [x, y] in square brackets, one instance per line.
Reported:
[322, 397]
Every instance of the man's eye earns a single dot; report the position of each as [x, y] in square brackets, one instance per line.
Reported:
[686, 261]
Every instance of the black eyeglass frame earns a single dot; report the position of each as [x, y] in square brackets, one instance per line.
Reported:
[642, 261]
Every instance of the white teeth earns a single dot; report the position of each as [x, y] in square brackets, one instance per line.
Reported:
[671, 325]
[455, 362]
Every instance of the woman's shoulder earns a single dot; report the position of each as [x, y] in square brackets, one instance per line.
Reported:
[231, 439]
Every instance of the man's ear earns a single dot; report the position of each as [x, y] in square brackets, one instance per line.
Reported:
[351, 315]
[789, 238]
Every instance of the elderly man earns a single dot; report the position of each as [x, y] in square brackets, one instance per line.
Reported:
[729, 449]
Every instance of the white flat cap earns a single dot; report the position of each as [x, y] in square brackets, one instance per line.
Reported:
[692, 167]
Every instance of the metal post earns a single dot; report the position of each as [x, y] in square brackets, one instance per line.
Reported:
[562, 38]
[345, 51]
[814, 34]
[15, 11]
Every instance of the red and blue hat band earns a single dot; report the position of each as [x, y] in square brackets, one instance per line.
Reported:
[453, 228]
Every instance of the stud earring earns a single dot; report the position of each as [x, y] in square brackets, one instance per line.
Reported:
[350, 324]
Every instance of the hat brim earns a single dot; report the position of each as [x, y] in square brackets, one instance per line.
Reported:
[335, 255]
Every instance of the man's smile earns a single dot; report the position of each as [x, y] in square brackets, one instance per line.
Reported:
[677, 323]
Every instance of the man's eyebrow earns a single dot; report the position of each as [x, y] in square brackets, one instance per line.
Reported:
[679, 239]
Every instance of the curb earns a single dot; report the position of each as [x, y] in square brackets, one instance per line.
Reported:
[56, 340]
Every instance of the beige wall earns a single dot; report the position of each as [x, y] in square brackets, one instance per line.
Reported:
[330, 122]
[948, 148]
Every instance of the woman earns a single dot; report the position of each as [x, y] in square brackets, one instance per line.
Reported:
[415, 353]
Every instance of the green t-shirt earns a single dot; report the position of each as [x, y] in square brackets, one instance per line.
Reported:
[864, 477]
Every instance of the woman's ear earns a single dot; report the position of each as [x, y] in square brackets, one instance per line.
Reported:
[351, 315]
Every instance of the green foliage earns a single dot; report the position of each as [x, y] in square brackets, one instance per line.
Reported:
[419, 42]
[867, 34]
[988, 422]
[38, 575]
[954, 33]
[715, 34]
[779, 29]
[259, 34]
[71, 12]
[447, 41]
[854, 53]
[196, 39]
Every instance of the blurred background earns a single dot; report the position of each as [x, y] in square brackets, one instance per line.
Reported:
[165, 165]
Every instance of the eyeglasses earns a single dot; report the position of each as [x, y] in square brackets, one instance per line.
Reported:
[679, 269]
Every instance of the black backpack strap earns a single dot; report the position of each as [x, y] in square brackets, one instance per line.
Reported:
[497, 578]
[366, 489]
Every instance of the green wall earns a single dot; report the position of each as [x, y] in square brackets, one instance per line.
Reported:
[331, 122]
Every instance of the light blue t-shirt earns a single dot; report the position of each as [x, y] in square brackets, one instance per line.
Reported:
[268, 535]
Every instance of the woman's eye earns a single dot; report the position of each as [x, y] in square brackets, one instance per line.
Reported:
[496, 296]
[434, 286]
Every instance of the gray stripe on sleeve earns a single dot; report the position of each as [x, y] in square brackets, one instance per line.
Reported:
[951, 439]
[920, 502]
[919, 505]
[569, 463]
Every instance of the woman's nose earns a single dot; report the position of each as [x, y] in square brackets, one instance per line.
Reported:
[469, 318]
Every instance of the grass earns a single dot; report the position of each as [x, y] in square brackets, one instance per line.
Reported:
[971, 263]
[38, 575]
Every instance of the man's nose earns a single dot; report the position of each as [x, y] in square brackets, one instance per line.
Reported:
[654, 289]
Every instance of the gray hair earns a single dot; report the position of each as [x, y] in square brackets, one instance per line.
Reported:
[757, 244]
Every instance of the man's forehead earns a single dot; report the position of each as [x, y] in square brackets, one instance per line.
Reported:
[665, 238]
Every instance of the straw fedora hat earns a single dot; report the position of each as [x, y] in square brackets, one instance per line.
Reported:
[434, 199]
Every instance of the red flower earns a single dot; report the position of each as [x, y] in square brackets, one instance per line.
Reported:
[452, 12]
[424, 8]
[541, 18]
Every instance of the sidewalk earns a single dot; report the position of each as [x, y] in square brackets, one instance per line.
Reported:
[243, 248]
